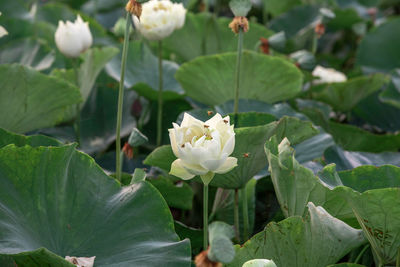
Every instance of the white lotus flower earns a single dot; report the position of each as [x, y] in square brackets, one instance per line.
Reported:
[159, 19]
[202, 148]
[327, 75]
[2, 30]
[259, 263]
[73, 38]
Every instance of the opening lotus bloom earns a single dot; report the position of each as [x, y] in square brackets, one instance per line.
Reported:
[328, 75]
[73, 38]
[159, 19]
[202, 148]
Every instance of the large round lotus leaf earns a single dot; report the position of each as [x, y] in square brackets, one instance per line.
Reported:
[7, 138]
[379, 50]
[30, 100]
[210, 79]
[316, 240]
[346, 160]
[60, 199]
[203, 34]
[344, 96]
[356, 139]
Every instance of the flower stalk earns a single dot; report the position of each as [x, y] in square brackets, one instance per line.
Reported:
[205, 216]
[121, 97]
[237, 72]
[160, 96]
[245, 214]
[77, 124]
[236, 215]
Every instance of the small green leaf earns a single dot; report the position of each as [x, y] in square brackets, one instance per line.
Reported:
[136, 138]
[221, 246]
[139, 175]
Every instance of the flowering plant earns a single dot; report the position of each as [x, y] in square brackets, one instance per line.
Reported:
[202, 148]
[159, 19]
[73, 38]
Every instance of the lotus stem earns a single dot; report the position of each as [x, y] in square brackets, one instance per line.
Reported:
[398, 258]
[121, 97]
[237, 73]
[205, 217]
[160, 98]
[314, 44]
[77, 124]
[245, 214]
[236, 215]
[361, 254]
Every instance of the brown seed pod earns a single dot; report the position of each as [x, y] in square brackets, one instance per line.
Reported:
[134, 8]
[239, 23]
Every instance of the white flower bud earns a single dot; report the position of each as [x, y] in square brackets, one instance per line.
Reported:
[2, 30]
[202, 148]
[159, 19]
[326, 75]
[73, 38]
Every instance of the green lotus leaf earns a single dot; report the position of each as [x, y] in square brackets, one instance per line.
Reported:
[346, 95]
[203, 34]
[7, 138]
[378, 51]
[296, 185]
[61, 204]
[177, 195]
[316, 240]
[143, 69]
[354, 138]
[374, 195]
[210, 79]
[221, 246]
[30, 100]
[346, 160]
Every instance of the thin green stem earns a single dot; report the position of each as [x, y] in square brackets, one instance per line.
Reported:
[314, 44]
[398, 258]
[160, 99]
[236, 215]
[205, 217]
[77, 123]
[361, 253]
[245, 214]
[237, 72]
[121, 96]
